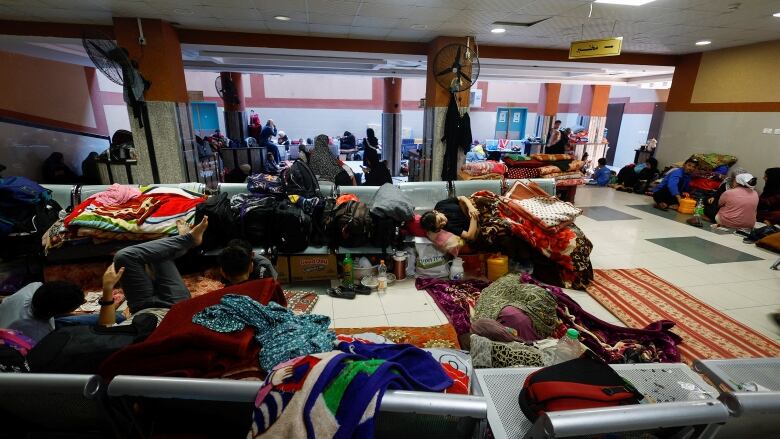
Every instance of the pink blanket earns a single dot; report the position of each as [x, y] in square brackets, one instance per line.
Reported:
[116, 194]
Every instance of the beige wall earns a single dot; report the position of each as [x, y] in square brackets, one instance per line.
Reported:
[45, 89]
[570, 94]
[637, 94]
[513, 91]
[745, 74]
[413, 89]
[739, 134]
[317, 86]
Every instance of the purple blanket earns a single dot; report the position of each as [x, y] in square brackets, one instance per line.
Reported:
[614, 344]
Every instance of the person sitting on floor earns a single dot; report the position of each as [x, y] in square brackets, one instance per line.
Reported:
[769, 201]
[629, 177]
[32, 309]
[451, 224]
[711, 204]
[674, 186]
[738, 205]
[601, 174]
[238, 263]
[150, 279]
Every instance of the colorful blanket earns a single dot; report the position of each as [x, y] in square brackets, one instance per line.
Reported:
[482, 168]
[552, 157]
[501, 218]
[155, 211]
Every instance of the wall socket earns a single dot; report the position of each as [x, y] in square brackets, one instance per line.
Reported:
[767, 131]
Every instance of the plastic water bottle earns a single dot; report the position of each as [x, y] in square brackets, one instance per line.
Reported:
[349, 271]
[568, 347]
[382, 277]
[699, 209]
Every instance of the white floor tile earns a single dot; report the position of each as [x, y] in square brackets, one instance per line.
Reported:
[323, 306]
[764, 292]
[361, 322]
[405, 300]
[420, 318]
[359, 307]
[721, 297]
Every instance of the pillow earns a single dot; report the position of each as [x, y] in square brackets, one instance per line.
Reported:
[523, 163]
[414, 228]
[551, 157]
[523, 173]
[549, 170]
[770, 242]
[446, 242]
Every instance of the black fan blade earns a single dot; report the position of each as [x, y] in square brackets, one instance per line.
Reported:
[464, 76]
[100, 49]
[444, 72]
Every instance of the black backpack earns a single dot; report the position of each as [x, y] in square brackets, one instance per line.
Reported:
[351, 225]
[258, 222]
[298, 179]
[222, 223]
[81, 348]
[383, 234]
[292, 227]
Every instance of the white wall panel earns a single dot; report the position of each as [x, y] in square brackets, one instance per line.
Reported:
[686, 133]
[633, 133]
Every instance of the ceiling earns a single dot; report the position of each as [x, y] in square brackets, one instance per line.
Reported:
[662, 26]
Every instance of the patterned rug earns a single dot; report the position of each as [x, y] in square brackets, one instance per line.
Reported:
[638, 297]
[442, 336]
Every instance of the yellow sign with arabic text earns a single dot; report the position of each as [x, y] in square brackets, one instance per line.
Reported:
[595, 48]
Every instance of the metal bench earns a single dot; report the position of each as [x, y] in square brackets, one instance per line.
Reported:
[684, 401]
[466, 188]
[61, 193]
[237, 398]
[425, 194]
[754, 413]
[50, 405]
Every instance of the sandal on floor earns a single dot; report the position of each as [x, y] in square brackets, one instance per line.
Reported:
[361, 289]
[341, 293]
[658, 206]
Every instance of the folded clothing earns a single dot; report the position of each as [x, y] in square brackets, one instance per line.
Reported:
[483, 168]
[523, 173]
[550, 212]
[552, 157]
[544, 171]
[493, 176]
[115, 195]
[523, 163]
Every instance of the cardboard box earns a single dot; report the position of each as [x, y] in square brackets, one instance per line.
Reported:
[313, 267]
[283, 268]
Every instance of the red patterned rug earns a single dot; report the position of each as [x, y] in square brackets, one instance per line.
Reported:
[638, 297]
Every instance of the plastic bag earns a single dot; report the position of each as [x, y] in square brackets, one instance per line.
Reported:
[430, 262]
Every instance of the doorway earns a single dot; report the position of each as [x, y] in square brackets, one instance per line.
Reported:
[656, 121]
[510, 123]
[614, 120]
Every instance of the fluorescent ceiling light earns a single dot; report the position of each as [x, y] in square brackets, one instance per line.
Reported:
[282, 18]
[625, 2]
[419, 26]
[703, 42]
[776, 14]
[498, 30]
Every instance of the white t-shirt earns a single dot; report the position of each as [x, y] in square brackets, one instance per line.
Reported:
[19, 306]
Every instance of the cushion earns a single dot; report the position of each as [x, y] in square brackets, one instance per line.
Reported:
[770, 242]
[551, 157]
[549, 170]
[523, 163]
[414, 227]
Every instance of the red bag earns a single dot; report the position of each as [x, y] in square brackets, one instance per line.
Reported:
[576, 384]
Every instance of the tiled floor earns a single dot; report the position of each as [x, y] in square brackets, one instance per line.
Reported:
[747, 291]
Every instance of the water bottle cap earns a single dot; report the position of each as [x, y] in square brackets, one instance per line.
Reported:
[573, 333]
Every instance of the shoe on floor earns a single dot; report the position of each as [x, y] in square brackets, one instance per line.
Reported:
[341, 293]
[361, 289]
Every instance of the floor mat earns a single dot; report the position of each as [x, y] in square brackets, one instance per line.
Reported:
[704, 251]
[442, 336]
[604, 213]
[301, 302]
[679, 217]
[638, 297]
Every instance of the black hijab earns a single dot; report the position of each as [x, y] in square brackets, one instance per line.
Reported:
[772, 185]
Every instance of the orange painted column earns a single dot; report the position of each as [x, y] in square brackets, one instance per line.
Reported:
[549, 95]
[162, 125]
[594, 102]
[391, 124]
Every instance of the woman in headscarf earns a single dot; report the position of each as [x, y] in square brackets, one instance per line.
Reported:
[321, 161]
[370, 148]
[375, 172]
[711, 205]
[89, 169]
[737, 206]
[769, 201]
